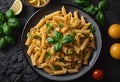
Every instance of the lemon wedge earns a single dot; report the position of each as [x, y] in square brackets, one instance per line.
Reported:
[17, 7]
[34, 2]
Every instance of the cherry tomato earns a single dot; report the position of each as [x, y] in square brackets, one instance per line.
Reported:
[98, 74]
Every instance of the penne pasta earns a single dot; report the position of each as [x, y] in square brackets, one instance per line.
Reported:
[84, 44]
[60, 43]
[72, 70]
[64, 11]
[42, 56]
[50, 16]
[59, 72]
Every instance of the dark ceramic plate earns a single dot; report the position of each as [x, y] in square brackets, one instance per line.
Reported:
[47, 10]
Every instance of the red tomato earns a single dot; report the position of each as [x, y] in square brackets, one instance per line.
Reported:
[98, 74]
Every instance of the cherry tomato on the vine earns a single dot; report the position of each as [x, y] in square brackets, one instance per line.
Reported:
[98, 74]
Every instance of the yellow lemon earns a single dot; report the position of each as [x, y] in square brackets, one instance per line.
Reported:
[114, 31]
[37, 3]
[34, 2]
[17, 7]
[115, 51]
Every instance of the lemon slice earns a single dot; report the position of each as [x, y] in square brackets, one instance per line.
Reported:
[34, 2]
[17, 7]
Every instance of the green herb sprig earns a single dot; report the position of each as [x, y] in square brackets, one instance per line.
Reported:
[58, 39]
[96, 11]
[8, 23]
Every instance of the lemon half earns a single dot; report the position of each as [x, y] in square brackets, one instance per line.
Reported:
[17, 7]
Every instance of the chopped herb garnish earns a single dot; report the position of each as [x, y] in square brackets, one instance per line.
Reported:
[74, 34]
[56, 67]
[47, 55]
[48, 26]
[70, 51]
[60, 25]
[37, 37]
[47, 31]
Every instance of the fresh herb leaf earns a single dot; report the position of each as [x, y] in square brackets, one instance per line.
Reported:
[67, 39]
[91, 9]
[2, 42]
[60, 25]
[92, 29]
[47, 55]
[58, 39]
[103, 4]
[56, 67]
[51, 40]
[82, 2]
[57, 47]
[57, 35]
[101, 18]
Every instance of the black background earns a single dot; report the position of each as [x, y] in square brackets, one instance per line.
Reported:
[14, 68]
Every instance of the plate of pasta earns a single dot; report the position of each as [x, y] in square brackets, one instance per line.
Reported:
[61, 42]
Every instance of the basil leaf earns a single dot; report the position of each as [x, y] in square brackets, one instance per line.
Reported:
[67, 39]
[91, 10]
[82, 2]
[92, 29]
[51, 40]
[57, 35]
[57, 47]
[101, 18]
[103, 4]
[47, 55]
[2, 17]
[2, 42]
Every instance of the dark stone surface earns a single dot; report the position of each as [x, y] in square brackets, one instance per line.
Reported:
[14, 68]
